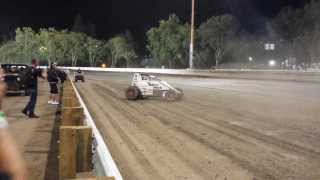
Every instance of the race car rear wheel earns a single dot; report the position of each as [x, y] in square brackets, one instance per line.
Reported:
[132, 93]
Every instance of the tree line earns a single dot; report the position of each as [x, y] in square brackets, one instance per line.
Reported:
[220, 41]
[66, 48]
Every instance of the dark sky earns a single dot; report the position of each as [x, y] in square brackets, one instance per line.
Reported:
[115, 16]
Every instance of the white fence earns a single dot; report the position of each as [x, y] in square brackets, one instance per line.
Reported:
[106, 162]
[186, 71]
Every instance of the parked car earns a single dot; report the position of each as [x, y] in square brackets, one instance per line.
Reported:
[13, 76]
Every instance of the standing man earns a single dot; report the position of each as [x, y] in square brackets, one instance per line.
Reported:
[31, 83]
[53, 79]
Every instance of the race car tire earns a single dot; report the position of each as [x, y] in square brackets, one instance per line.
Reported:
[133, 93]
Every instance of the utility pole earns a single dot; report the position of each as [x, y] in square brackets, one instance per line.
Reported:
[191, 50]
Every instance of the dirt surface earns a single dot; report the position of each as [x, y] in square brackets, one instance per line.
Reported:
[222, 129]
[33, 136]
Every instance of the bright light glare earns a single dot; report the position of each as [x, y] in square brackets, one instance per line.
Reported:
[103, 65]
[250, 58]
[272, 63]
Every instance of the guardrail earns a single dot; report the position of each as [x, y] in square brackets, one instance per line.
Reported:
[186, 71]
[81, 143]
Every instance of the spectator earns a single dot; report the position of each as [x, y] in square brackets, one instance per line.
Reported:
[11, 163]
[31, 83]
[53, 79]
[62, 76]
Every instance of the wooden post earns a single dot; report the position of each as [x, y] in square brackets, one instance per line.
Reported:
[69, 93]
[67, 85]
[75, 151]
[70, 102]
[67, 153]
[72, 116]
[84, 149]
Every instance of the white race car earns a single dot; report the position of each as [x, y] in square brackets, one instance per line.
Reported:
[145, 85]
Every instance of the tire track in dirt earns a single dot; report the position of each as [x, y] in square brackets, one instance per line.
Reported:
[141, 160]
[268, 157]
[263, 146]
[166, 122]
[268, 140]
[202, 108]
[126, 111]
[222, 170]
[262, 137]
[253, 119]
[131, 111]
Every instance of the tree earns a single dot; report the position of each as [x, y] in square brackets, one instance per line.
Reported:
[311, 15]
[51, 47]
[169, 42]
[10, 53]
[73, 45]
[93, 47]
[120, 47]
[308, 46]
[310, 39]
[27, 42]
[215, 34]
[299, 29]
[288, 24]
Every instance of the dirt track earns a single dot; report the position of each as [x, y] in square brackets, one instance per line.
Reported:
[222, 129]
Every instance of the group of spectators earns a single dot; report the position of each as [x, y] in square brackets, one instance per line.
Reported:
[54, 77]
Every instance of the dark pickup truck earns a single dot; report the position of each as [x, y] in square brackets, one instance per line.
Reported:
[13, 76]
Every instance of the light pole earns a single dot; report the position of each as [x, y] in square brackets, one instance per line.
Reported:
[191, 50]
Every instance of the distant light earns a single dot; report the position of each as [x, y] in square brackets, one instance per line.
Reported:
[272, 63]
[250, 58]
[269, 46]
[103, 65]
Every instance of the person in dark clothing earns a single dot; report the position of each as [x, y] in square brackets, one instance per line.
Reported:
[31, 83]
[62, 75]
[53, 79]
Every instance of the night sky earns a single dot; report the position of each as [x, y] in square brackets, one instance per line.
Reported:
[115, 16]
